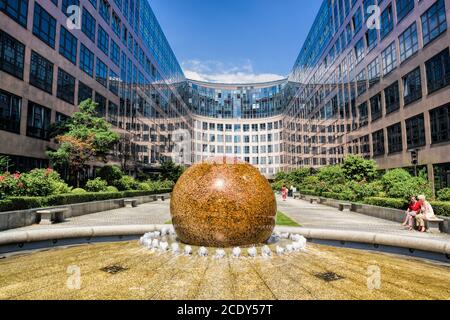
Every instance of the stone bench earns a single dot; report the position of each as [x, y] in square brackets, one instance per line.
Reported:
[345, 207]
[433, 225]
[50, 216]
[156, 198]
[312, 200]
[130, 203]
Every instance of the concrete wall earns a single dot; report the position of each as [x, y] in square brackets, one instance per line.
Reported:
[377, 212]
[23, 218]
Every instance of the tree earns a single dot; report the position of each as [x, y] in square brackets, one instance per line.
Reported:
[170, 171]
[359, 169]
[5, 163]
[86, 138]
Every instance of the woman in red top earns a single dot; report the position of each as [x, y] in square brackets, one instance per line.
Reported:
[284, 192]
[411, 213]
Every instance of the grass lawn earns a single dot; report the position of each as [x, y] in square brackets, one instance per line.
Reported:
[282, 220]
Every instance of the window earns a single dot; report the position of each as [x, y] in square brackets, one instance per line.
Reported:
[412, 87]
[403, 8]
[363, 114]
[357, 21]
[387, 22]
[415, 132]
[84, 92]
[44, 25]
[101, 104]
[86, 60]
[440, 124]
[375, 107]
[10, 111]
[389, 56]
[115, 53]
[68, 45]
[361, 82]
[41, 72]
[373, 70]
[116, 24]
[438, 71]
[104, 10]
[16, 9]
[392, 98]
[359, 50]
[88, 25]
[113, 112]
[378, 143]
[408, 42]
[364, 144]
[103, 40]
[371, 39]
[395, 143]
[66, 86]
[66, 4]
[12, 55]
[101, 73]
[434, 22]
[113, 82]
[38, 121]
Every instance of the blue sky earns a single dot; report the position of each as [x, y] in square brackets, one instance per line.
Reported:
[236, 40]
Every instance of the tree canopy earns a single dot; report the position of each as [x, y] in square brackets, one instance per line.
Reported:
[85, 138]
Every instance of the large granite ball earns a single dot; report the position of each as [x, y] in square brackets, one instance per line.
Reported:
[223, 205]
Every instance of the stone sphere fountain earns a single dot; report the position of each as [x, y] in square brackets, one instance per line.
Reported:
[223, 203]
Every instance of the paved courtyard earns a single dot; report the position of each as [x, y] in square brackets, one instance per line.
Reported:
[308, 215]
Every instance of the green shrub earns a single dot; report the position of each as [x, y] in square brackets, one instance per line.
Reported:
[24, 203]
[110, 174]
[444, 194]
[111, 189]
[6, 205]
[96, 185]
[332, 195]
[71, 198]
[331, 175]
[145, 186]
[126, 183]
[356, 168]
[441, 208]
[43, 182]
[387, 202]
[410, 187]
[78, 191]
[393, 177]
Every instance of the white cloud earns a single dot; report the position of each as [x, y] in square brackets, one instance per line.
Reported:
[219, 72]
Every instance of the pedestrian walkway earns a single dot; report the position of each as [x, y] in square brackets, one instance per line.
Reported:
[311, 216]
[316, 216]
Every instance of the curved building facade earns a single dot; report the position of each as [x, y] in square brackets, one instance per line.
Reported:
[354, 89]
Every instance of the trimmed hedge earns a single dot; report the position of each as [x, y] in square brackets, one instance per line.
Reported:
[25, 203]
[333, 195]
[309, 192]
[387, 202]
[441, 208]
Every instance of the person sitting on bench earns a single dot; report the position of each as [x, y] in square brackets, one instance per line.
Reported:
[426, 212]
[411, 213]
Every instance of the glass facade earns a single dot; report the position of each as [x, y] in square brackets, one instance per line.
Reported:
[352, 89]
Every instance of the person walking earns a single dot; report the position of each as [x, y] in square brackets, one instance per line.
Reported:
[284, 192]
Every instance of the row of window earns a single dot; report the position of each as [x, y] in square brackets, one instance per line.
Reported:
[238, 127]
[12, 56]
[415, 132]
[437, 76]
